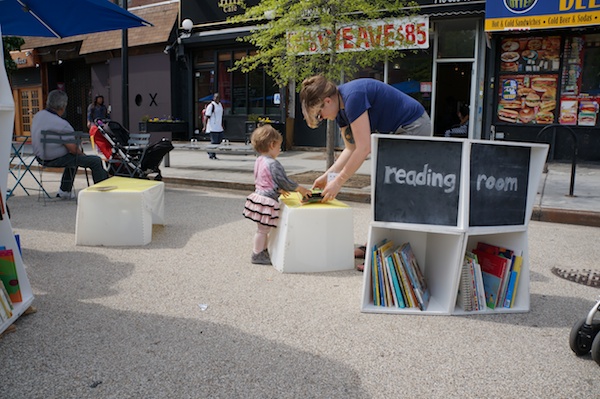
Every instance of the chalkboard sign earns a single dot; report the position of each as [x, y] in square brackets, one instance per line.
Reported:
[417, 181]
[498, 184]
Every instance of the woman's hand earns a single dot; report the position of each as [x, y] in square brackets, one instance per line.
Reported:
[320, 182]
[331, 190]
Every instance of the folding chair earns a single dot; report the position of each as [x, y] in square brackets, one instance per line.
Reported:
[20, 168]
[51, 137]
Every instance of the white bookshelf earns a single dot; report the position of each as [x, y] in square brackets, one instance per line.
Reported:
[7, 238]
[440, 249]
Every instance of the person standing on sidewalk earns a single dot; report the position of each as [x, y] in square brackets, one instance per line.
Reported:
[271, 181]
[214, 122]
[96, 110]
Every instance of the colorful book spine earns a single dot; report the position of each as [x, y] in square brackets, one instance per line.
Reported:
[407, 288]
[8, 275]
[375, 278]
[511, 292]
[396, 282]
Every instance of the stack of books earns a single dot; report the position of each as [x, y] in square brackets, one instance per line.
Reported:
[397, 279]
[489, 278]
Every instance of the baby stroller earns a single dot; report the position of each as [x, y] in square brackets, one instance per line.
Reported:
[127, 154]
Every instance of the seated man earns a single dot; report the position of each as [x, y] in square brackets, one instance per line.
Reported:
[61, 155]
[462, 130]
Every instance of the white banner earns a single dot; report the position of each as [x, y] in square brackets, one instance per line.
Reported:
[393, 34]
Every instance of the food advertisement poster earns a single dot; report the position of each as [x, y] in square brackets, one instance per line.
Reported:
[588, 111]
[527, 99]
[503, 15]
[531, 54]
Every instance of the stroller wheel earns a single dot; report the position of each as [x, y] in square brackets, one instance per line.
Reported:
[582, 336]
[596, 349]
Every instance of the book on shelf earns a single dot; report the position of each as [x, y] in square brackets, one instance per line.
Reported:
[396, 291]
[6, 306]
[465, 297]
[479, 284]
[409, 294]
[8, 275]
[375, 278]
[386, 252]
[379, 292]
[511, 291]
[416, 276]
[495, 250]
[471, 291]
[4, 294]
[385, 276]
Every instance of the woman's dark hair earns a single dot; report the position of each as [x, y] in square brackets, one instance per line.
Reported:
[463, 109]
[96, 100]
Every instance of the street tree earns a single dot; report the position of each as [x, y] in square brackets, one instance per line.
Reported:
[296, 39]
[10, 43]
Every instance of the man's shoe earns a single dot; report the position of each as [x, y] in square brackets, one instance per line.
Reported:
[261, 258]
[66, 194]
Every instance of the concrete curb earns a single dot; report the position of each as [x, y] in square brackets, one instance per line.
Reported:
[566, 216]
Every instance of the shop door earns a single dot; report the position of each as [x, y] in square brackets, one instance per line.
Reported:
[453, 89]
[28, 102]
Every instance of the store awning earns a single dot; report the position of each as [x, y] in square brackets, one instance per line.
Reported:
[435, 8]
[538, 14]
[162, 16]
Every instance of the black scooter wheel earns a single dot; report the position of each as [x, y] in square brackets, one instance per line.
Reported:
[582, 336]
[596, 349]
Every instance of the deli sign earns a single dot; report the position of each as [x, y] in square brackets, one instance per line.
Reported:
[393, 34]
[502, 15]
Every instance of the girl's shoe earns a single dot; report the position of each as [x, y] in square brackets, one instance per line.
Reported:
[261, 258]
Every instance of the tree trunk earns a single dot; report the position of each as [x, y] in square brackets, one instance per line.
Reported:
[330, 143]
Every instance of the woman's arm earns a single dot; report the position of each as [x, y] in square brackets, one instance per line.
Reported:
[340, 162]
[352, 160]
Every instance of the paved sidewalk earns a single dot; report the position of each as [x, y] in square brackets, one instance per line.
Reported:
[190, 166]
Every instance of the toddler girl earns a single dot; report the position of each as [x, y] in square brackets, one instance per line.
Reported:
[270, 180]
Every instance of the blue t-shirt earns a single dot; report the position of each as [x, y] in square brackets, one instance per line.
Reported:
[388, 107]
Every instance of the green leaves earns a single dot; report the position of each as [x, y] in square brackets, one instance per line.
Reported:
[11, 43]
[298, 39]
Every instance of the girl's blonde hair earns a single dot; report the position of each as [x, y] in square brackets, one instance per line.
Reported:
[263, 136]
[313, 92]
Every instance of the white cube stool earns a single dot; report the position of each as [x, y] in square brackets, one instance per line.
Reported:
[315, 237]
[119, 211]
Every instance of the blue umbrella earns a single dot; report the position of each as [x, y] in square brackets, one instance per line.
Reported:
[62, 18]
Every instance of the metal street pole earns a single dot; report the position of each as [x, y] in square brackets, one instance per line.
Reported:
[125, 73]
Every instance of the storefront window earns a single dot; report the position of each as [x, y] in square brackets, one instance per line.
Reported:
[456, 38]
[272, 92]
[590, 83]
[412, 75]
[256, 92]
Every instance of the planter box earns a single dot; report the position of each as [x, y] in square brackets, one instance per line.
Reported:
[179, 130]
